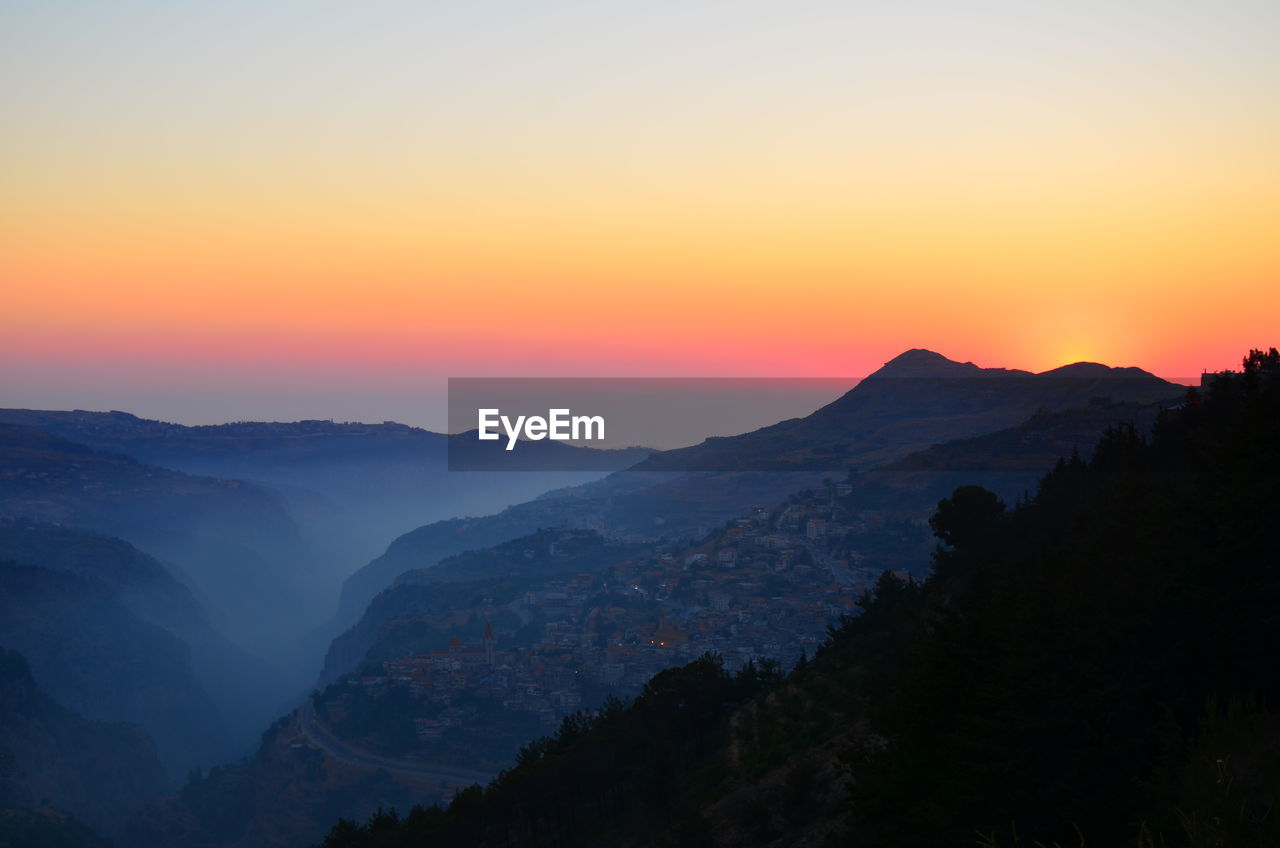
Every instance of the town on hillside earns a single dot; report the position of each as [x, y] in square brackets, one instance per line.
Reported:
[764, 588]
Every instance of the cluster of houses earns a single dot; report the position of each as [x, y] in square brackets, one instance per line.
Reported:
[767, 586]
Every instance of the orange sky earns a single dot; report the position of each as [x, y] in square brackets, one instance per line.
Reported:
[302, 198]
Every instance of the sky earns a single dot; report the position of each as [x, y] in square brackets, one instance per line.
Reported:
[217, 211]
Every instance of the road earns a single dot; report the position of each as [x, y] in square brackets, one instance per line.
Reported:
[840, 573]
[352, 756]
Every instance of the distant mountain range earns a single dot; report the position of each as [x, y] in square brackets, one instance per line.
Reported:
[262, 520]
[349, 486]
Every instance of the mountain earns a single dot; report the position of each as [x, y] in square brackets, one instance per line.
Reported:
[916, 399]
[624, 505]
[1032, 445]
[397, 622]
[242, 686]
[51, 756]
[404, 617]
[350, 486]
[921, 362]
[1092, 666]
[232, 542]
[422, 607]
[91, 654]
[264, 557]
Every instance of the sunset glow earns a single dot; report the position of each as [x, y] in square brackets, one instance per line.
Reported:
[309, 198]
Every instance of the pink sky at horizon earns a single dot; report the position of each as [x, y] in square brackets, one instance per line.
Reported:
[213, 212]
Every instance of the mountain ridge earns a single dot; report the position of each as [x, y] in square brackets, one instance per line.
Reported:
[918, 398]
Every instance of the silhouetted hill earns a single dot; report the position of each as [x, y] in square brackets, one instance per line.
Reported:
[51, 756]
[916, 399]
[1031, 446]
[922, 362]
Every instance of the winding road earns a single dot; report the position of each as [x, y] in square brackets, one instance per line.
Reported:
[842, 574]
[352, 756]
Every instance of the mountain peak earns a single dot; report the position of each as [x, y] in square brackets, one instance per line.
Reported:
[920, 362]
[1096, 369]
[918, 354]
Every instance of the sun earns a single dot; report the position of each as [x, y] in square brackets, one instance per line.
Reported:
[1074, 352]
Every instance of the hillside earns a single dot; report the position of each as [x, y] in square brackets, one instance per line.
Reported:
[99, 570]
[52, 757]
[93, 655]
[1093, 664]
[420, 611]
[233, 542]
[1035, 444]
[283, 796]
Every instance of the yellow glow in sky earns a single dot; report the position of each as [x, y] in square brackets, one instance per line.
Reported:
[683, 188]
